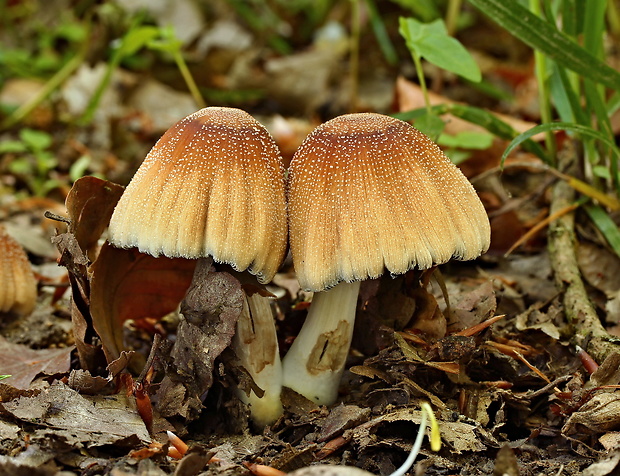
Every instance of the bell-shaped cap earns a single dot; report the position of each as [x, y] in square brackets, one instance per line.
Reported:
[368, 192]
[213, 185]
[18, 286]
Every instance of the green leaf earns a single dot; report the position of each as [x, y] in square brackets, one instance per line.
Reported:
[602, 172]
[45, 162]
[467, 140]
[544, 37]
[72, 31]
[166, 41]
[457, 156]
[431, 125]
[35, 140]
[78, 168]
[21, 166]
[432, 42]
[12, 147]
[136, 39]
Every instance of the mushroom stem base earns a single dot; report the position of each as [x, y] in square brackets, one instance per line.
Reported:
[315, 362]
[256, 346]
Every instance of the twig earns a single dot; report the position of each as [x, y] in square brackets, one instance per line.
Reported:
[588, 333]
[150, 359]
[539, 226]
[53, 216]
[548, 387]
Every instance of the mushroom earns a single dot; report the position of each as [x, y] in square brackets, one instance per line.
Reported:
[213, 185]
[367, 193]
[18, 286]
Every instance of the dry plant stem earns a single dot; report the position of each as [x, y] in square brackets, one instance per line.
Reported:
[256, 345]
[588, 330]
[315, 362]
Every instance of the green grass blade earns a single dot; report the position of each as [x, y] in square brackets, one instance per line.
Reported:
[606, 225]
[580, 115]
[594, 26]
[561, 96]
[561, 126]
[381, 34]
[596, 102]
[613, 104]
[544, 37]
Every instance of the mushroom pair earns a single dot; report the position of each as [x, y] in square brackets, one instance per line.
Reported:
[366, 193]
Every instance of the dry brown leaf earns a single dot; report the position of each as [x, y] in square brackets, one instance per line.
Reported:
[428, 318]
[598, 415]
[90, 204]
[24, 364]
[342, 418]
[474, 307]
[81, 420]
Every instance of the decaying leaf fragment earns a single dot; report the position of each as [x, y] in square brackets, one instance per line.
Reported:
[209, 316]
[459, 436]
[599, 414]
[80, 420]
[89, 205]
[24, 364]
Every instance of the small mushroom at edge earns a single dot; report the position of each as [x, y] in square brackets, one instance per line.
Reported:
[18, 285]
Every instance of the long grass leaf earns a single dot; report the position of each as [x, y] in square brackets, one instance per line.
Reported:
[561, 126]
[606, 225]
[594, 27]
[544, 37]
[381, 34]
[580, 115]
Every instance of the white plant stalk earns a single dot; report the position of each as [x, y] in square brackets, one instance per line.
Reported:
[256, 346]
[315, 362]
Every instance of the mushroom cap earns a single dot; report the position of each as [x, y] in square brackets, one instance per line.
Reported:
[368, 192]
[18, 286]
[213, 185]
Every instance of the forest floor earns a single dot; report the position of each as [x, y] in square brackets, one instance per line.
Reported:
[490, 344]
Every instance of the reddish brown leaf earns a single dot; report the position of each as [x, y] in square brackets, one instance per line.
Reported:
[127, 284]
[90, 204]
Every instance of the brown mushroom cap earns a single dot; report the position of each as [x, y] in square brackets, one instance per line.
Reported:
[18, 286]
[213, 185]
[368, 192]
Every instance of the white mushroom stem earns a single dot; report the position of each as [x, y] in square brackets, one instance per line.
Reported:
[315, 362]
[256, 346]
